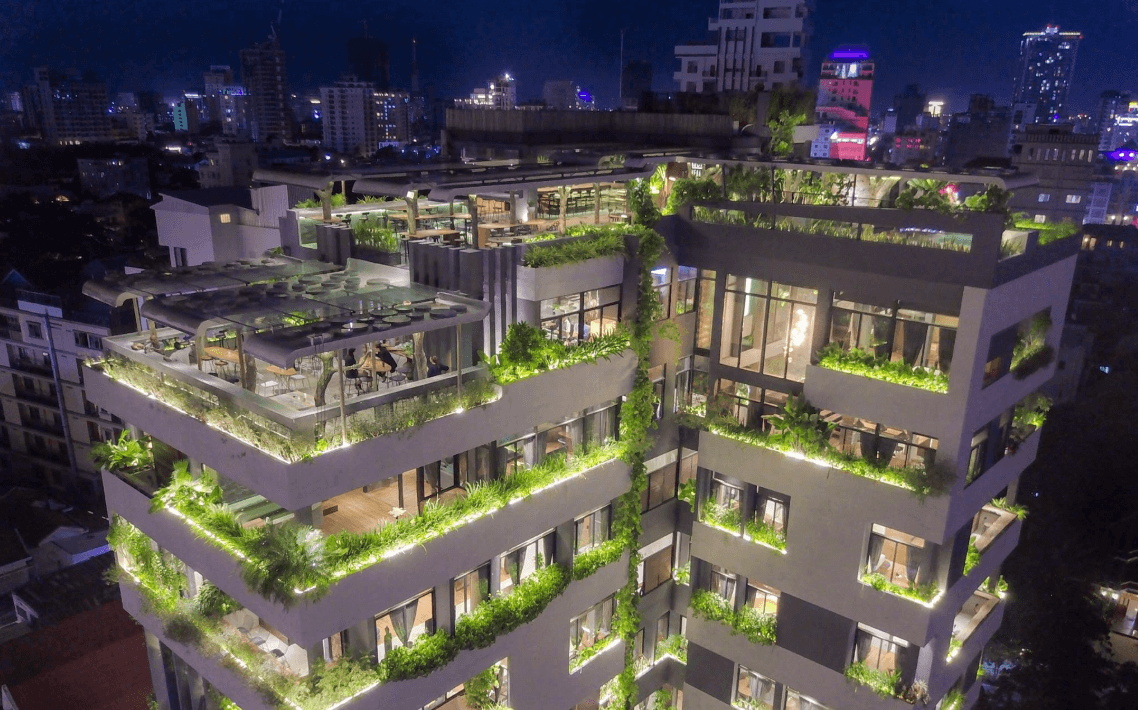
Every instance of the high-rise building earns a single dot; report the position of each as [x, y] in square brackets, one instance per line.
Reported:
[186, 116]
[842, 111]
[266, 82]
[228, 164]
[1043, 74]
[1110, 105]
[635, 81]
[359, 118]
[73, 109]
[760, 44]
[373, 533]
[566, 95]
[984, 131]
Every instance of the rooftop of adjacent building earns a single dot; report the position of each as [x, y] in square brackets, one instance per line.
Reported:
[69, 591]
[35, 517]
[95, 660]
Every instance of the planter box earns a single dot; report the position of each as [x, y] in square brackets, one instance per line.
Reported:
[378, 256]
[554, 281]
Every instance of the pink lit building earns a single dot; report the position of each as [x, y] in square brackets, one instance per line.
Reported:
[842, 111]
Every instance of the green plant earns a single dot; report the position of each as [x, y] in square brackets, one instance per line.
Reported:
[759, 531]
[921, 193]
[1031, 351]
[662, 699]
[1003, 504]
[782, 132]
[722, 516]
[211, 602]
[924, 593]
[308, 204]
[686, 493]
[642, 204]
[675, 646]
[885, 684]
[526, 351]
[581, 656]
[597, 243]
[972, 558]
[757, 627]
[801, 423]
[1048, 231]
[954, 698]
[481, 689]
[688, 190]
[587, 563]
[370, 233]
[1029, 415]
[954, 645]
[859, 362]
[339, 199]
[682, 575]
[126, 454]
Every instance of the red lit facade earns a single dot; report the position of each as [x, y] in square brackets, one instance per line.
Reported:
[844, 93]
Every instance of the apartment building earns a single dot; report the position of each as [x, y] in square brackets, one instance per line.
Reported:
[751, 44]
[464, 535]
[47, 425]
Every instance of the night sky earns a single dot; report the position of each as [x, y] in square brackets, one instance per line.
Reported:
[951, 48]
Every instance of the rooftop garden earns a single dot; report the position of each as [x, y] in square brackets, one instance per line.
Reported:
[197, 622]
[750, 622]
[860, 362]
[283, 562]
[527, 351]
[797, 431]
[1048, 231]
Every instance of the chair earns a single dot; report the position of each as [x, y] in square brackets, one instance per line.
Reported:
[395, 379]
[272, 386]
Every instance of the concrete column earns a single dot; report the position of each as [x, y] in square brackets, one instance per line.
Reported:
[495, 574]
[563, 545]
[596, 203]
[514, 207]
[311, 515]
[527, 207]
[165, 691]
[444, 607]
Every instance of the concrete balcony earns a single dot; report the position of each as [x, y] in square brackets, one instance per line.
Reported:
[549, 396]
[826, 685]
[553, 281]
[538, 655]
[988, 485]
[912, 408]
[390, 581]
[945, 676]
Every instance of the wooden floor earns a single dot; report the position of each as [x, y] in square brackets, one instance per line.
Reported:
[360, 512]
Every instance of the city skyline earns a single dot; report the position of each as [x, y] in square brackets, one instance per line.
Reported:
[940, 49]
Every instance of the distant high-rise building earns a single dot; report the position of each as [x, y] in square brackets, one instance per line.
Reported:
[367, 57]
[635, 81]
[229, 164]
[842, 110]
[1110, 105]
[909, 104]
[566, 95]
[186, 116]
[1043, 75]
[358, 118]
[73, 109]
[501, 93]
[265, 80]
[762, 45]
[214, 81]
[983, 131]
[1065, 164]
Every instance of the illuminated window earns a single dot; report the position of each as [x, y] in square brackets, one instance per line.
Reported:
[224, 218]
[1044, 197]
[1074, 199]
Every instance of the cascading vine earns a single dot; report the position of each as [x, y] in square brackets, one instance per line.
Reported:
[637, 422]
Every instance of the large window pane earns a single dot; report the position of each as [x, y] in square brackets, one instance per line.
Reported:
[754, 691]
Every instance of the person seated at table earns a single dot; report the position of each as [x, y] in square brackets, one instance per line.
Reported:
[384, 355]
[435, 368]
[350, 369]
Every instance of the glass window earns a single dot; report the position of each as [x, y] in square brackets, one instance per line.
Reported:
[592, 529]
[877, 649]
[518, 564]
[661, 487]
[689, 463]
[581, 316]
[723, 582]
[706, 313]
[771, 511]
[403, 624]
[470, 589]
[661, 280]
[35, 330]
[691, 382]
[685, 289]
[754, 691]
[762, 598]
[662, 626]
[896, 555]
[977, 456]
[767, 328]
[657, 569]
[591, 627]
[797, 701]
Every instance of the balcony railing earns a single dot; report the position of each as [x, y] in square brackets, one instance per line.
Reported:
[29, 365]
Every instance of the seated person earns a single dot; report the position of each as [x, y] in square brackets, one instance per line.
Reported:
[435, 368]
[384, 355]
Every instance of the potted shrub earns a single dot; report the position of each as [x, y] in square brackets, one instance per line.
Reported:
[374, 242]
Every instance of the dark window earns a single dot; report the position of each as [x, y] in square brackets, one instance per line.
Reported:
[661, 487]
[685, 289]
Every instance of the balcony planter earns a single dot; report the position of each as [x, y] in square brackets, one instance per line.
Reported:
[553, 281]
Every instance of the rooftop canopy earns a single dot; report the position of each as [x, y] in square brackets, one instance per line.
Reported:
[287, 308]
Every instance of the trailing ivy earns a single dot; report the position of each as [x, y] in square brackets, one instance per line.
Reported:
[758, 627]
[859, 362]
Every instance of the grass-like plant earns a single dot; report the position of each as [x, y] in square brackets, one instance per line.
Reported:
[581, 656]
[593, 246]
[371, 233]
[675, 646]
[972, 558]
[722, 516]
[859, 362]
[527, 351]
[1020, 511]
[954, 645]
[757, 627]
[1031, 351]
[686, 492]
[924, 593]
[885, 684]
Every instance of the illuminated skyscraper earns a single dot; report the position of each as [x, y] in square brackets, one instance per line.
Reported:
[844, 92]
[1043, 76]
